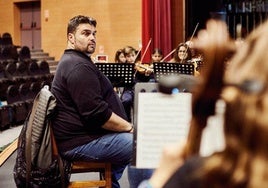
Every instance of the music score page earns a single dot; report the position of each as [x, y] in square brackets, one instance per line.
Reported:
[161, 119]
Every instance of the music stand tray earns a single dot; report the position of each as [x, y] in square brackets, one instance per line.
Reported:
[164, 68]
[120, 74]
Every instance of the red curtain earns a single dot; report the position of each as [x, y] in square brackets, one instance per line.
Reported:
[156, 25]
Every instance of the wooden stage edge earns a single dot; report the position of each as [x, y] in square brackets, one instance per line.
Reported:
[8, 151]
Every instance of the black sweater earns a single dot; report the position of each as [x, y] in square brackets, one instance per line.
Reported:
[85, 101]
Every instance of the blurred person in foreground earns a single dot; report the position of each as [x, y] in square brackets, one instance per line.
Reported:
[243, 161]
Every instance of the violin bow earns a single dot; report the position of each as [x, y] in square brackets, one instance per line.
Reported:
[168, 55]
[140, 47]
[147, 47]
[191, 39]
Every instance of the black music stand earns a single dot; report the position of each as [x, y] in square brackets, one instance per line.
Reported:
[120, 74]
[164, 68]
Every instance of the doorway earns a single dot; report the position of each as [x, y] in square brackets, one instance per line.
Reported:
[30, 24]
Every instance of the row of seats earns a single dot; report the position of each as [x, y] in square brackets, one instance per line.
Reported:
[19, 102]
[15, 53]
[23, 68]
[12, 73]
[21, 78]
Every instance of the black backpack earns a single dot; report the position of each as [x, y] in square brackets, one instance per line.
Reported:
[38, 164]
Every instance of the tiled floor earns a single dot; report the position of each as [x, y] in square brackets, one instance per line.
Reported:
[9, 135]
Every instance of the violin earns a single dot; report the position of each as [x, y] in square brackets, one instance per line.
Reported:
[198, 64]
[144, 68]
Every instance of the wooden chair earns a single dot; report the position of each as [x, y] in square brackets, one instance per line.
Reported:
[104, 170]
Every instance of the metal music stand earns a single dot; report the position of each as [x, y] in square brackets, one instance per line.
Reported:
[140, 87]
[164, 68]
[120, 74]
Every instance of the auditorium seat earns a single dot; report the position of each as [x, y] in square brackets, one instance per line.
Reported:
[11, 73]
[18, 108]
[24, 93]
[24, 54]
[7, 39]
[33, 69]
[4, 83]
[43, 67]
[10, 70]
[5, 119]
[35, 87]
[21, 69]
[9, 53]
[22, 72]
[2, 71]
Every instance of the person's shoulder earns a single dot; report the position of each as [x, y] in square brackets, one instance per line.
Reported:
[193, 162]
[185, 176]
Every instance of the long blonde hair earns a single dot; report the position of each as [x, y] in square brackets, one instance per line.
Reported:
[244, 161]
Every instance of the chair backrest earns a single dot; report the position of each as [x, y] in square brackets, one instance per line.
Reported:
[43, 67]
[2, 71]
[12, 94]
[7, 39]
[6, 35]
[35, 87]
[33, 68]
[24, 90]
[21, 68]
[1, 42]
[9, 53]
[25, 53]
[5, 120]
[10, 70]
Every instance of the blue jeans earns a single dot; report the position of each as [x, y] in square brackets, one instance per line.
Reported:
[136, 176]
[127, 99]
[115, 148]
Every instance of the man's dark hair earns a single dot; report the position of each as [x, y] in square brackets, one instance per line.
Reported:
[77, 20]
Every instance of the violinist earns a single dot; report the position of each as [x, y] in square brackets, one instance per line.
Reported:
[182, 54]
[157, 55]
[127, 96]
[130, 54]
[145, 70]
[120, 56]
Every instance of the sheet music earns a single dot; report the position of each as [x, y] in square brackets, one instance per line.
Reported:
[161, 119]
